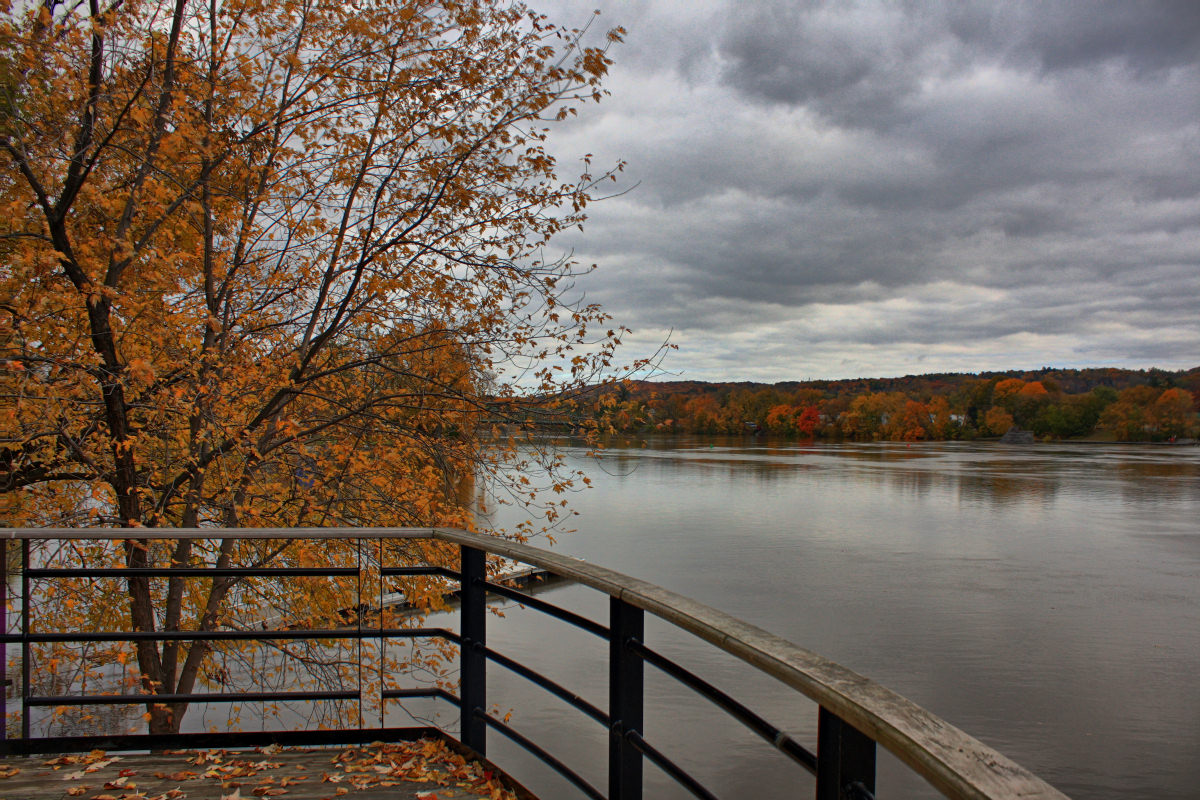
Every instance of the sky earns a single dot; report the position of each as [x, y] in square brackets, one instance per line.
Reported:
[858, 189]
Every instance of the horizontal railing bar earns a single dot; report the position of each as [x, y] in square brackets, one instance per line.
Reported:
[191, 572]
[224, 739]
[443, 571]
[412, 633]
[591, 626]
[157, 699]
[250, 635]
[543, 756]
[247, 534]
[780, 740]
[400, 694]
[668, 766]
[554, 688]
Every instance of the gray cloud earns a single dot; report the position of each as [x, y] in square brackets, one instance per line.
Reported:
[867, 57]
[1146, 36]
[832, 189]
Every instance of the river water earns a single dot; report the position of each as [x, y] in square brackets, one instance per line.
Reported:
[1045, 599]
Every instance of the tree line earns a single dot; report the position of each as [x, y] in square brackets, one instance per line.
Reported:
[1114, 404]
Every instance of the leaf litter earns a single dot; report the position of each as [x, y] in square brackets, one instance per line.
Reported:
[252, 774]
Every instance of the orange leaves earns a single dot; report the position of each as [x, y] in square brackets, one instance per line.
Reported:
[997, 421]
[1006, 389]
[429, 761]
[183, 775]
[1146, 413]
[141, 371]
[289, 287]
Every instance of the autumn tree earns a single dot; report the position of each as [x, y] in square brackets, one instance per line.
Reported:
[275, 264]
[870, 414]
[1150, 413]
[702, 414]
[973, 397]
[1173, 414]
[997, 421]
[807, 421]
[1006, 390]
[942, 424]
[782, 418]
[910, 423]
[1130, 417]
[1028, 402]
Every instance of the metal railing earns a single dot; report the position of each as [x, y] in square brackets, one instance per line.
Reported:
[855, 714]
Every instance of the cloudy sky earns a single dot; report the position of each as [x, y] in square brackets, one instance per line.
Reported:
[848, 189]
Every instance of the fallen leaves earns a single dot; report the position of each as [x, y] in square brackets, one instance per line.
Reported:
[427, 760]
[183, 775]
[275, 772]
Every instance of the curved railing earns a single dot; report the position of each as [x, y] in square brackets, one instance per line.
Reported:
[854, 715]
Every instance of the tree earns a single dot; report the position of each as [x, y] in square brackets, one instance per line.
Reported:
[781, 418]
[910, 423]
[1173, 415]
[807, 421]
[274, 265]
[870, 414]
[702, 414]
[942, 424]
[997, 421]
[1005, 390]
[1130, 417]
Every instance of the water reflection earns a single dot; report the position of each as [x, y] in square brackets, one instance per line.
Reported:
[974, 472]
[1001, 489]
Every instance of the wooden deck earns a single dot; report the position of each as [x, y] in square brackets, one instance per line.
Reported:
[422, 770]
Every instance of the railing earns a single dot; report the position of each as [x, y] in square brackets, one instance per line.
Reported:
[854, 713]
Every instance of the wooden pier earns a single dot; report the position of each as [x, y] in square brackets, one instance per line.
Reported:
[420, 770]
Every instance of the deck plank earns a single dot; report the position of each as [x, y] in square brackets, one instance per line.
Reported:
[404, 771]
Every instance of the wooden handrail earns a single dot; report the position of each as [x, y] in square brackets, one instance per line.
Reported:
[957, 764]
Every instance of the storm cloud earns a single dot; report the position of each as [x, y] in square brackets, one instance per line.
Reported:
[840, 189]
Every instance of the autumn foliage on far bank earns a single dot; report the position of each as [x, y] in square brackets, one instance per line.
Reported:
[1121, 405]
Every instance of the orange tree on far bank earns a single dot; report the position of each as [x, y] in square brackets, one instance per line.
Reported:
[277, 264]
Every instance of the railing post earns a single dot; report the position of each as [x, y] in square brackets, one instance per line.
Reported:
[25, 650]
[845, 759]
[624, 700]
[4, 646]
[473, 661]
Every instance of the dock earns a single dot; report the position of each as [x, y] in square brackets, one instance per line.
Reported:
[420, 770]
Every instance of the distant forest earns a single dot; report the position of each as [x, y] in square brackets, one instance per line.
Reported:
[1107, 404]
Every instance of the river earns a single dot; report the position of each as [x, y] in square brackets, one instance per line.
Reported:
[1045, 599]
